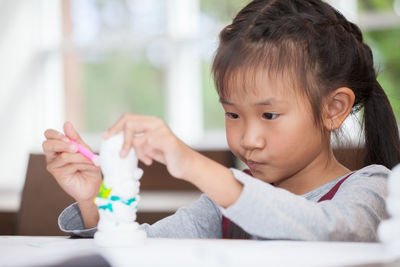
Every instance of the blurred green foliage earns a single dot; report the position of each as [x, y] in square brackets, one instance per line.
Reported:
[222, 10]
[385, 45]
[375, 5]
[120, 82]
[214, 117]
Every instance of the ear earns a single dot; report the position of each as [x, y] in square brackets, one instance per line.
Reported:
[337, 106]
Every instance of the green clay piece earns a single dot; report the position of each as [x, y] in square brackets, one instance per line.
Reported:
[104, 191]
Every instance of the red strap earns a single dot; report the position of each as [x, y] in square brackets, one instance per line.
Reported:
[247, 171]
[332, 192]
[225, 226]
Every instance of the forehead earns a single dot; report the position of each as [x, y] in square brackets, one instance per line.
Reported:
[255, 85]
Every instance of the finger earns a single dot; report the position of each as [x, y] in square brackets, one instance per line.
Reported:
[135, 123]
[128, 139]
[69, 158]
[157, 155]
[130, 131]
[117, 127]
[71, 133]
[70, 169]
[151, 149]
[156, 143]
[52, 148]
[58, 146]
[147, 149]
[138, 145]
[146, 160]
[53, 134]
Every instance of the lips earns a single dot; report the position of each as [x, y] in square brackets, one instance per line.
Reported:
[253, 165]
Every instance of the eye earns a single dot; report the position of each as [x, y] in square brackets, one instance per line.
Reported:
[270, 116]
[231, 115]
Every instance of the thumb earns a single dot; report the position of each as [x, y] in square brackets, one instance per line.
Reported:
[71, 133]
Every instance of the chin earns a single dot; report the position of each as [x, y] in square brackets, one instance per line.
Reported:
[258, 173]
[262, 175]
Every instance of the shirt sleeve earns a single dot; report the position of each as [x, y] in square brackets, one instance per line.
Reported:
[202, 219]
[70, 221]
[353, 214]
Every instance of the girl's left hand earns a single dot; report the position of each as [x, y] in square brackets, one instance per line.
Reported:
[153, 140]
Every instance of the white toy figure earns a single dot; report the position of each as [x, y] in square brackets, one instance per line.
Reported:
[118, 197]
[389, 230]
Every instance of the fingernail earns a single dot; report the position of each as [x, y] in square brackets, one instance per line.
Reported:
[65, 139]
[123, 153]
[73, 148]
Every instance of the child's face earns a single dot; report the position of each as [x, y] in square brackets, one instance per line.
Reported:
[271, 128]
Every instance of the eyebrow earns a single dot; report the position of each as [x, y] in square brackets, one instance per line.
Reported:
[267, 102]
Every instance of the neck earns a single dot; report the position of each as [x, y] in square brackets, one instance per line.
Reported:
[323, 169]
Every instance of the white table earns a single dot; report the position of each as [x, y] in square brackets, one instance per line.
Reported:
[25, 251]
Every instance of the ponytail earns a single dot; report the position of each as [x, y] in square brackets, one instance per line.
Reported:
[382, 142]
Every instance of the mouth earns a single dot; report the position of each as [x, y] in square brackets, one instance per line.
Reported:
[253, 165]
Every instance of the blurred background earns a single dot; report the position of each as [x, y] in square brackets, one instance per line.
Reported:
[90, 61]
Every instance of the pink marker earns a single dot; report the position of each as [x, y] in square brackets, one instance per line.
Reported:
[87, 153]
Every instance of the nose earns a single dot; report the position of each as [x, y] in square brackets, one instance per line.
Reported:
[253, 138]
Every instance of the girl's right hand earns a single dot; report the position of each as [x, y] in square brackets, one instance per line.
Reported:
[76, 174]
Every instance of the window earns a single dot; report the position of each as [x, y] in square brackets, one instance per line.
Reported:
[32, 93]
[147, 57]
[118, 48]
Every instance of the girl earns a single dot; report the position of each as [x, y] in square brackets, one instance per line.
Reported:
[288, 73]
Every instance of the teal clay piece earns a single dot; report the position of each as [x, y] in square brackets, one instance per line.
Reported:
[106, 207]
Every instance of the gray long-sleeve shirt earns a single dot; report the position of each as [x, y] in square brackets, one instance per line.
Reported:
[267, 212]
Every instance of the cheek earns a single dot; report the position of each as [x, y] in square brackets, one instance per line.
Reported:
[281, 143]
[232, 137]
[298, 138]
[288, 137]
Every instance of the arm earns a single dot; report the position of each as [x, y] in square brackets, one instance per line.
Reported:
[157, 142]
[202, 219]
[272, 213]
[214, 179]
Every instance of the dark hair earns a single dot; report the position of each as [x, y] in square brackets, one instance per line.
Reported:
[315, 46]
